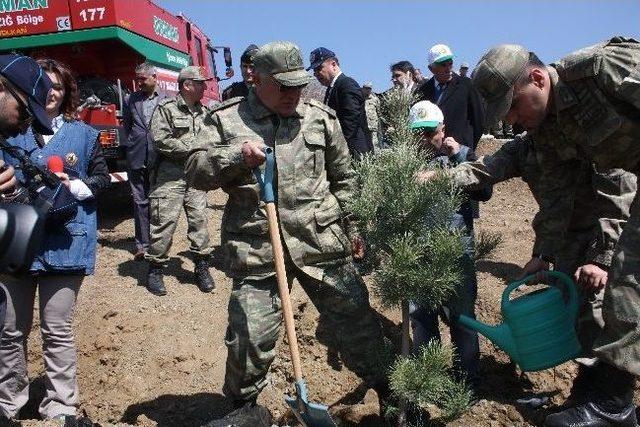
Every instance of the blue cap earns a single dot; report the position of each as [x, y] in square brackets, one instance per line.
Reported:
[318, 56]
[26, 75]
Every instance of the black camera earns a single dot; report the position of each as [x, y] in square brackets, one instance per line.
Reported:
[21, 235]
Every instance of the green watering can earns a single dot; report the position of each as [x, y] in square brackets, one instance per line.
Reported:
[538, 331]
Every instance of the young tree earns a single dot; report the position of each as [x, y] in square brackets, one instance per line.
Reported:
[414, 253]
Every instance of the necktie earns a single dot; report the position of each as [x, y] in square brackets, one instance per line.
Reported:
[441, 89]
[326, 95]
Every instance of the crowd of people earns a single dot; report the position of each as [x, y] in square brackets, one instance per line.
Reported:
[578, 156]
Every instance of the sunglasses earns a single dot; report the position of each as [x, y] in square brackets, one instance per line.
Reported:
[287, 89]
[26, 116]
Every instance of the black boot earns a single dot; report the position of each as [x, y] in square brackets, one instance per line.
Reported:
[247, 414]
[203, 277]
[155, 282]
[610, 403]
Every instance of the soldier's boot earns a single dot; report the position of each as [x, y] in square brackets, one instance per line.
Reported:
[246, 414]
[155, 281]
[203, 276]
[609, 404]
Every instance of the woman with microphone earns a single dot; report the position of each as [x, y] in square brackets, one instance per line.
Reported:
[66, 257]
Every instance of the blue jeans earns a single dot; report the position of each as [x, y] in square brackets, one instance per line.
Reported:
[424, 324]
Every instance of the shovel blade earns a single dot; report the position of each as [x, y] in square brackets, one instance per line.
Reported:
[313, 414]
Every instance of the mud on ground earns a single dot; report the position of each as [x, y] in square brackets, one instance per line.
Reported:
[147, 361]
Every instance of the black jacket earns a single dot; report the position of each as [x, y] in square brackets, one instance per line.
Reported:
[346, 98]
[236, 89]
[462, 107]
[139, 142]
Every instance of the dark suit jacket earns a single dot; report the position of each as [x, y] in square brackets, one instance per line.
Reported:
[139, 142]
[347, 99]
[462, 107]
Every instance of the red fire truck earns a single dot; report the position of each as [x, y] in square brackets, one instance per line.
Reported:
[103, 41]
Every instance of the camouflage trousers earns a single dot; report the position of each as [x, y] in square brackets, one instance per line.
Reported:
[619, 342]
[590, 322]
[255, 318]
[166, 201]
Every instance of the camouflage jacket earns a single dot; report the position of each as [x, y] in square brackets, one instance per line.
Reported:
[372, 110]
[175, 131]
[314, 178]
[592, 216]
[596, 105]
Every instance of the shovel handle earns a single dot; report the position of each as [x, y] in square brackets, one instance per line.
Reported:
[283, 288]
[267, 193]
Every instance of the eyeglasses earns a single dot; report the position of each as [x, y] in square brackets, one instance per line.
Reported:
[26, 116]
[287, 89]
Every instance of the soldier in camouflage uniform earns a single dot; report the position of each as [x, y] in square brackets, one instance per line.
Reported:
[176, 126]
[584, 240]
[587, 105]
[246, 68]
[372, 110]
[314, 181]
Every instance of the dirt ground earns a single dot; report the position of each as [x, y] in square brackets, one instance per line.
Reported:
[147, 361]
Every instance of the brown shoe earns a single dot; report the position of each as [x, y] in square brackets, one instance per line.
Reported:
[139, 255]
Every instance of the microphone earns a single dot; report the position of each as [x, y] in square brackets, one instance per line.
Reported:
[55, 164]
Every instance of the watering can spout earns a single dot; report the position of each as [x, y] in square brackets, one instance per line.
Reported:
[499, 335]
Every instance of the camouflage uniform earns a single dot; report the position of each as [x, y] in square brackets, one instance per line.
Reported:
[372, 110]
[597, 108]
[175, 130]
[314, 180]
[598, 211]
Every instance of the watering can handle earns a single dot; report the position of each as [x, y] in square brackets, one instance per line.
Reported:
[544, 277]
[267, 193]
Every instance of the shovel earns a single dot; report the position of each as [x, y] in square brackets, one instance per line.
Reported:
[308, 414]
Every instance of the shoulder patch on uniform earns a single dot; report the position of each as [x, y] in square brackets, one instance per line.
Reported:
[225, 104]
[166, 101]
[580, 64]
[316, 103]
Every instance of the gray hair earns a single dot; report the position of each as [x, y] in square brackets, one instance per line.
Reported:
[146, 68]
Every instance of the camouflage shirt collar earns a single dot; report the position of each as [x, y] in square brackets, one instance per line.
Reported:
[182, 105]
[260, 111]
[563, 96]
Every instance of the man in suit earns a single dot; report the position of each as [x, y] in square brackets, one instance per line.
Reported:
[141, 156]
[344, 95]
[455, 95]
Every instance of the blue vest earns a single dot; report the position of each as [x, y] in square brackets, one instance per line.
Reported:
[72, 248]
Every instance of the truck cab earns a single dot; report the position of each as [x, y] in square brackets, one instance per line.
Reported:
[103, 41]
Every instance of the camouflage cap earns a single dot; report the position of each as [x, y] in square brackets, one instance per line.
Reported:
[495, 76]
[283, 61]
[193, 72]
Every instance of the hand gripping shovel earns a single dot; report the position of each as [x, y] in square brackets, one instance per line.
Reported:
[308, 414]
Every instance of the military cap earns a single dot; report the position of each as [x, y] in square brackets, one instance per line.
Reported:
[247, 55]
[368, 84]
[495, 76]
[318, 56]
[464, 65]
[193, 72]
[283, 61]
[26, 75]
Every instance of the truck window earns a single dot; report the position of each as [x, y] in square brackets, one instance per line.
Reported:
[199, 50]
